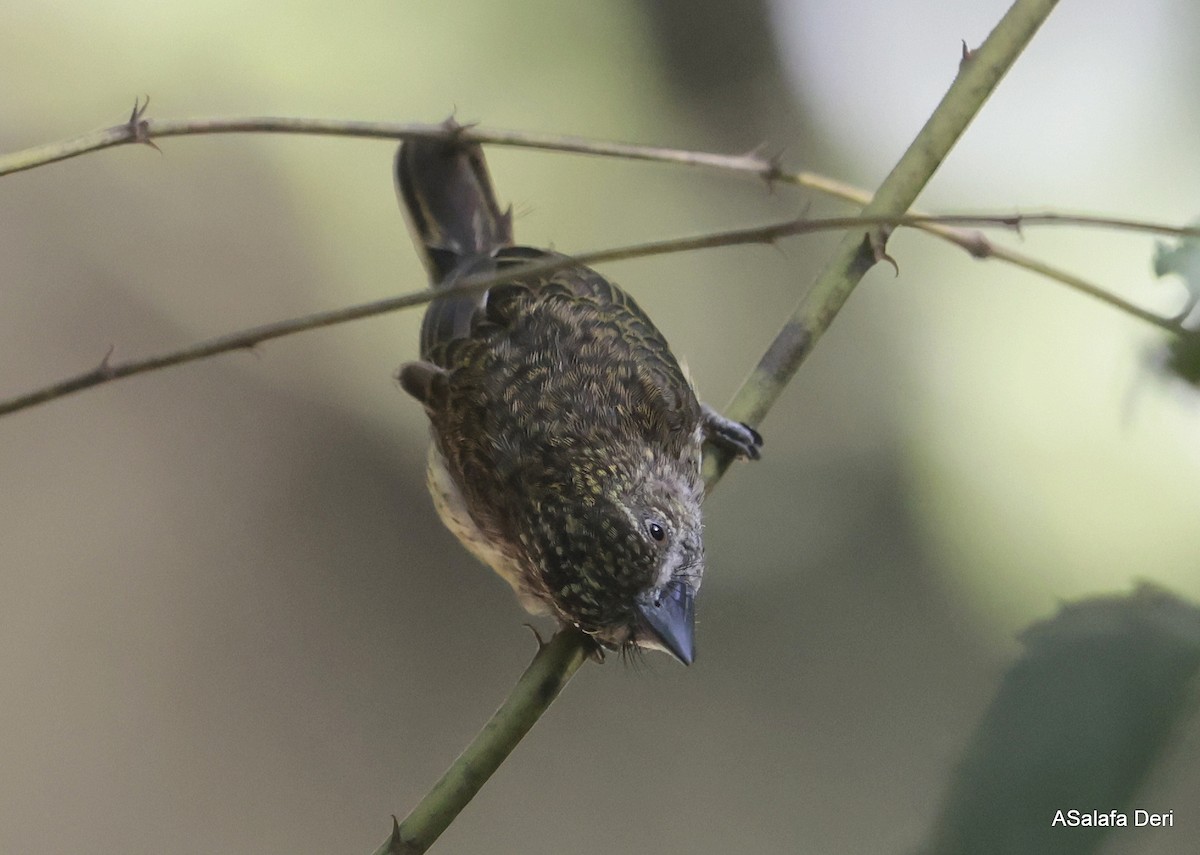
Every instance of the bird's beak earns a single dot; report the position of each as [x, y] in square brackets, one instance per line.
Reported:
[670, 618]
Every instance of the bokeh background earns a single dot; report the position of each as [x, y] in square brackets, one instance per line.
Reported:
[229, 618]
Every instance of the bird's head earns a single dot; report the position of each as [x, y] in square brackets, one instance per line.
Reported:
[622, 557]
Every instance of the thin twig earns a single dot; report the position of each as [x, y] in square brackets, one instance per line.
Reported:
[980, 247]
[138, 129]
[108, 370]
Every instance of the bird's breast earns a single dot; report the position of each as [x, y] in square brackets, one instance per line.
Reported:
[487, 547]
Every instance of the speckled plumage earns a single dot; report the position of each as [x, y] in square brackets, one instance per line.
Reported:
[567, 439]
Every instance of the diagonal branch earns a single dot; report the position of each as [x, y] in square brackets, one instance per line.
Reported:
[552, 668]
[979, 74]
[814, 314]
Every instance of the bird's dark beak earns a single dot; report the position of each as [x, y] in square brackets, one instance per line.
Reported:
[670, 618]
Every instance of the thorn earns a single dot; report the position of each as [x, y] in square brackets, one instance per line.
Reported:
[139, 126]
[104, 369]
[1014, 223]
[877, 238]
[967, 55]
[541, 642]
[454, 129]
[395, 845]
[756, 151]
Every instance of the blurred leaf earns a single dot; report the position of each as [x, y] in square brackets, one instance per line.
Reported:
[1183, 357]
[1078, 723]
[1183, 260]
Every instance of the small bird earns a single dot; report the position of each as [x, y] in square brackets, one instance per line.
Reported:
[566, 438]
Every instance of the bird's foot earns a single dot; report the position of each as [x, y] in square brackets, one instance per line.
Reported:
[738, 438]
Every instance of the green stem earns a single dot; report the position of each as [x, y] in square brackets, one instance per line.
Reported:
[978, 76]
[556, 662]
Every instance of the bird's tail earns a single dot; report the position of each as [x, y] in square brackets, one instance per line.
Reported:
[445, 188]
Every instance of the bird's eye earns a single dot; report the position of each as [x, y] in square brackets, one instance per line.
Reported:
[656, 531]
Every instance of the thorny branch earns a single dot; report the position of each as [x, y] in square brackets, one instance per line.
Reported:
[555, 663]
[109, 370]
[140, 130]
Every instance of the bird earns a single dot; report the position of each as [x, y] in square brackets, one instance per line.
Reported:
[566, 437]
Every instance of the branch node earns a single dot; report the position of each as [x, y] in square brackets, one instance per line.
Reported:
[773, 169]
[769, 166]
[454, 129]
[977, 245]
[139, 127]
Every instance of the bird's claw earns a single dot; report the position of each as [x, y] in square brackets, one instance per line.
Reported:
[738, 438]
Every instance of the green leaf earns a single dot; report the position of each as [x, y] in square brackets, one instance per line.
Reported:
[1078, 723]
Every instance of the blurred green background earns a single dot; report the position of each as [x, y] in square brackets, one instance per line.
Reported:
[229, 619]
